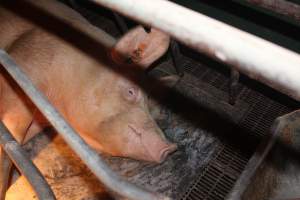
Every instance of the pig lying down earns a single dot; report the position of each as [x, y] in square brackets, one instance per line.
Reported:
[107, 109]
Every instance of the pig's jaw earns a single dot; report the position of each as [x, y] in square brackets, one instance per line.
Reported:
[155, 147]
[93, 143]
[148, 146]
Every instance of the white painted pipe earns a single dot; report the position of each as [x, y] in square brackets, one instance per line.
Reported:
[258, 58]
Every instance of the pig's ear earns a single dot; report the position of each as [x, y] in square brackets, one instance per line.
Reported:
[140, 48]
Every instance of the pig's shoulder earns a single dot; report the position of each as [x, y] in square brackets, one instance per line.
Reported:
[12, 27]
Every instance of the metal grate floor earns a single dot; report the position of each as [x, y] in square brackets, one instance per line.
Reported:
[217, 179]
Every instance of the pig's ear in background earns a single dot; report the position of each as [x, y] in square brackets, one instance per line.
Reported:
[140, 48]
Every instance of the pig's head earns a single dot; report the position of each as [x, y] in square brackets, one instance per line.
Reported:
[127, 128]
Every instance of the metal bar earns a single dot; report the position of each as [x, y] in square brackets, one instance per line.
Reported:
[281, 136]
[233, 86]
[176, 57]
[118, 19]
[282, 7]
[25, 165]
[114, 183]
[254, 163]
[259, 59]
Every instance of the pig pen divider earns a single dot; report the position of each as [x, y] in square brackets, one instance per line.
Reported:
[18, 155]
[115, 184]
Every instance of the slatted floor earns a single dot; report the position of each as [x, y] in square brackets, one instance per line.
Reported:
[217, 179]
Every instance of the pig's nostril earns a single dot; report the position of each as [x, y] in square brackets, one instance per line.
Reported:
[166, 151]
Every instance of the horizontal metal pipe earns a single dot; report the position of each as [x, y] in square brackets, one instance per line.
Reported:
[282, 7]
[88, 29]
[259, 59]
[93, 160]
[24, 164]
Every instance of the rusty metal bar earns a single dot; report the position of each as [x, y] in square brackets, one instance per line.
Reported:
[24, 164]
[259, 59]
[282, 7]
[111, 180]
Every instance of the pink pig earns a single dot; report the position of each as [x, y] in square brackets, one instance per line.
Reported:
[107, 109]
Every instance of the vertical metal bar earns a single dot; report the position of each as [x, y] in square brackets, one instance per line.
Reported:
[113, 182]
[176, 57]
[233, 85]
[25, 165]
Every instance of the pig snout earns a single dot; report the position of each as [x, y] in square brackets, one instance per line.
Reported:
[163, 153]
[155, 146]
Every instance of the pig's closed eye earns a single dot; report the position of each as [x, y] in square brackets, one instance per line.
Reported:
[131, 94]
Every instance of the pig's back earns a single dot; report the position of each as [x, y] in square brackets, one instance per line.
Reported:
[11, 27]
[55, 66]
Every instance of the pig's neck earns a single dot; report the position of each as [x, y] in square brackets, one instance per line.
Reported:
[75, 92]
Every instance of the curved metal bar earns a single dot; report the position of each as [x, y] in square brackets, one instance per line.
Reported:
[112, 181]
[259, 59]
[25, 165]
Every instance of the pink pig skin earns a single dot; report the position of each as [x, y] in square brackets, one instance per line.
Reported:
[109, 111]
